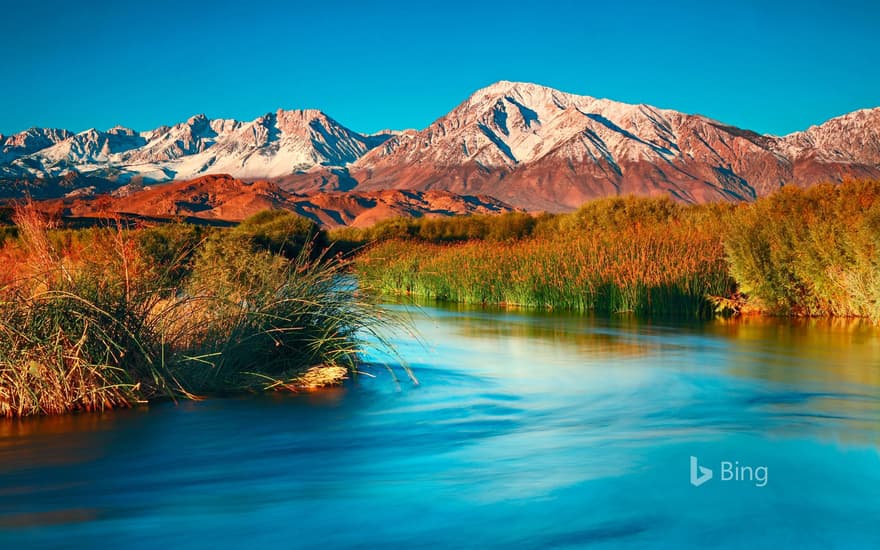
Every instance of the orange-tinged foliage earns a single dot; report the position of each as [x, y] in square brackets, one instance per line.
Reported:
[797, 252]
[650, 270]
[105, 318]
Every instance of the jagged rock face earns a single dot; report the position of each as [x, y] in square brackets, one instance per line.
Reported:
[285, 142]
[29, 141]
[187, 138]
[540, 148]
[528, 145]
[92, 146]
[852, 138]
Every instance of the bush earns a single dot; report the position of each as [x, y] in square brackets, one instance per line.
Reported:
[811, 252]
[170, 249]
[281, 232]
[617, 212]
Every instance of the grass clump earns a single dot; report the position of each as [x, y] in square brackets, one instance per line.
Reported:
[120, 317]
[270, 319]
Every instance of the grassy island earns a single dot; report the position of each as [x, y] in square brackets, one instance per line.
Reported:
[109, 317]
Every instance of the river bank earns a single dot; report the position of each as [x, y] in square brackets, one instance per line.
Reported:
[799, 253]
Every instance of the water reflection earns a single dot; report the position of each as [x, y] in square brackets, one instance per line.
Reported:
[838, 350]
[798, 370]
[28, 441]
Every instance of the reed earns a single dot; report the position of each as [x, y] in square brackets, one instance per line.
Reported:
[659, 270]
[124, 317]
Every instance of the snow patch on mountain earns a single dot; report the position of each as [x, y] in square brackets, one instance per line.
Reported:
[275, 144]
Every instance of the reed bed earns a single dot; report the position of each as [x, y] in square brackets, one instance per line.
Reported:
[799, 252]
[663, 270]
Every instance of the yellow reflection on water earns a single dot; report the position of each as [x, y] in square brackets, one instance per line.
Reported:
[795, 350]
[28, 440]
[572, 331]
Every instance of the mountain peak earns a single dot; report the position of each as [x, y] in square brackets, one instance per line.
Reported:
[197, 119]
[530, 92]
[507, 86]
[120, 130]
[864, 116]
[850, 138]
[304, 114]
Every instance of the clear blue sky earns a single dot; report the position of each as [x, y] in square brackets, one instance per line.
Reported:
[770, 66]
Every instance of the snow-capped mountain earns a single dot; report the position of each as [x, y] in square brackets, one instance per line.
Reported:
[851, 138]
[540, 148]
[168, 143]
[276, 144]
[29, 141]
[525, 144]
[90, 147]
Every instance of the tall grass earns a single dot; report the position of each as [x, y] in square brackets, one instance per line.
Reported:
[117, 319]
[813, 252]
[665, 270]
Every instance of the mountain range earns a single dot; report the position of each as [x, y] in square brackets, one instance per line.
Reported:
[526, 145]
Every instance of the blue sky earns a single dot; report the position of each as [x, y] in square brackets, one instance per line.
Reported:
[770, 66]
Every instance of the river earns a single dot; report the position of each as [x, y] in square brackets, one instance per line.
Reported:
[525, 431]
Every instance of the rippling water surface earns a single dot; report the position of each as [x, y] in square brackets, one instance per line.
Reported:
[526, 431]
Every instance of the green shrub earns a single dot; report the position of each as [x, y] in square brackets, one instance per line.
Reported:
[810, 252]
[7, 233]
[281, 232]
[170, 249]
[616, 212]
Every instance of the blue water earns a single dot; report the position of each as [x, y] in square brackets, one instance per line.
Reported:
[526, 431]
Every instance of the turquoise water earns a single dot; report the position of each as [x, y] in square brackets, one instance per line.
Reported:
[526, 431]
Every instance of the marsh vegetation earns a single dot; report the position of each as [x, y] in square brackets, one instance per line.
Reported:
[813, 252]
[109, 317]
